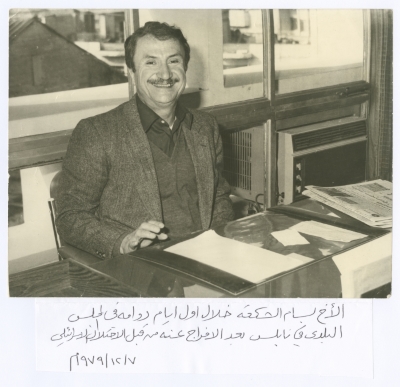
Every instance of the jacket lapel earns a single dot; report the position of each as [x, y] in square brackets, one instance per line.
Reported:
[199, 149]
[144, 170]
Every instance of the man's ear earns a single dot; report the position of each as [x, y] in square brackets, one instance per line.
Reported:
[133, 80]
[132, 75]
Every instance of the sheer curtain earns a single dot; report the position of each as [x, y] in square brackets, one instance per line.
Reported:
[380, 125]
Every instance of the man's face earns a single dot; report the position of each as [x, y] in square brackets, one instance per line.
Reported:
[160, 75]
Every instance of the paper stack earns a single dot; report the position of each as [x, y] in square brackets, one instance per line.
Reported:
[240, 259]
[370, 202]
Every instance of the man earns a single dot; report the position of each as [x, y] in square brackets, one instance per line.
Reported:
[148, 169]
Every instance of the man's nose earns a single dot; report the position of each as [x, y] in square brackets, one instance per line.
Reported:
[164, 71]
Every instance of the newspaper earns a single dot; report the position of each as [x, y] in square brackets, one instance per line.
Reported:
[370, 202]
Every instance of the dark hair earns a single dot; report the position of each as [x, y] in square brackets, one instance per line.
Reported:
[161, 31]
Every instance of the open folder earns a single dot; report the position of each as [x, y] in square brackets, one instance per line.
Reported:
[242, 260]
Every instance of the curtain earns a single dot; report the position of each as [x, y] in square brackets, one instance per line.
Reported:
[380, 123]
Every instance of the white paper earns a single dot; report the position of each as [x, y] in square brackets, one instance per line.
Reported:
[365, 267]
[240, 259]
[326, 231]
[289, 238]
[300, 257]
[226, 336]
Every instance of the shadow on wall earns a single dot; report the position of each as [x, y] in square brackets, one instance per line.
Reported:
[191, 100]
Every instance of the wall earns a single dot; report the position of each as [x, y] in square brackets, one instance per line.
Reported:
[35, 235]
[63, 24]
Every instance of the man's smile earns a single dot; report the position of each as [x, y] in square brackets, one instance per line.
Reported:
[163, 84]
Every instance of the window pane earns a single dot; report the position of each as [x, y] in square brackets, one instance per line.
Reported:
[203, 30]
[54, 50]
[317, 48]
[243, 47]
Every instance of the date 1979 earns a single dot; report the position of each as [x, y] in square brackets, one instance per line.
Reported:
[95, 361]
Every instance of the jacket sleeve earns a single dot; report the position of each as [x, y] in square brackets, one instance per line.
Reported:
[222, 209]
[84, 176]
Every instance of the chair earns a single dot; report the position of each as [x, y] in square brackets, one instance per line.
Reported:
[54, 187]
[65, 250]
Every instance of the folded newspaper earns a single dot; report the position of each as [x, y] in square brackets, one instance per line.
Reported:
[370, 202]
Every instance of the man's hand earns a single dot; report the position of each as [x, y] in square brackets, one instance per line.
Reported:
[143, 236]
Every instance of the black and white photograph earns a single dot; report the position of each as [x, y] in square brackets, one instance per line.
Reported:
[200, 153]
[199, 194]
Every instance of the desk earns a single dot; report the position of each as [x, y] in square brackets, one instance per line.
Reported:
[144, 274]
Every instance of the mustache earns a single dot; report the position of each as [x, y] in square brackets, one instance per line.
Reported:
[160, 81]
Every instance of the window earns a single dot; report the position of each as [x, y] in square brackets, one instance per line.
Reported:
[64, 65]
[68, 49]
[89, 22]
[243, 47]
[317, 48]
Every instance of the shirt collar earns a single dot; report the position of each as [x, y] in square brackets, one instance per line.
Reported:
[148, 116]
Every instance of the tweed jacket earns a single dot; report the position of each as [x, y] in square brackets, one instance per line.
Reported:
[109, 186]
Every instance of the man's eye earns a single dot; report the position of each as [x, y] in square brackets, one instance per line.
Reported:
[175, 61]
[150, 62]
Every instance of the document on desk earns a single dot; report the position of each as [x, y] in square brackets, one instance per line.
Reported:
[326, 231]
[249, 262]
[289, 238]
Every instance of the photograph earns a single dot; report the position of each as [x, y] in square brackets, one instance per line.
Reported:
[200, 153]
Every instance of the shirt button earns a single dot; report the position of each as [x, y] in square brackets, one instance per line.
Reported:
[162, 121]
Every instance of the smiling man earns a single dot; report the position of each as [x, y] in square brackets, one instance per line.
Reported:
[148, 170]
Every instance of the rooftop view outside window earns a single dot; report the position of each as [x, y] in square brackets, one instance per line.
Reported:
[64, 49]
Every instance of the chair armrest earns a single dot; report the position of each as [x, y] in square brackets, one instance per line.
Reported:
[68, 251]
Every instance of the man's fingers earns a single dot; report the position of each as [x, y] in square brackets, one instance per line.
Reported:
[132, 244]
[152, 226]
[145, 234]
[155, 223]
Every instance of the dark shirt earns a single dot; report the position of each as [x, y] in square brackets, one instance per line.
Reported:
[174, 168]
[157, 130]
